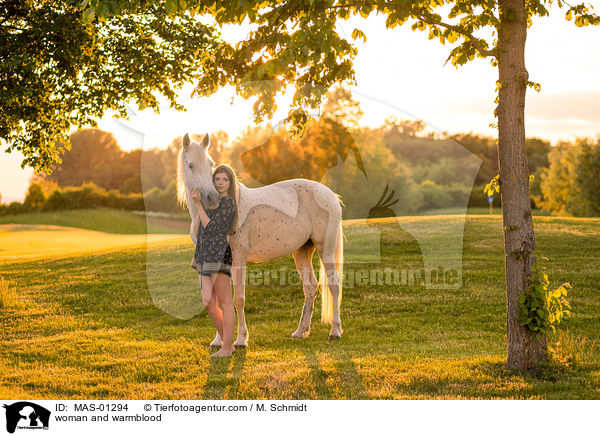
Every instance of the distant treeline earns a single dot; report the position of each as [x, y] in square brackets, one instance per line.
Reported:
[89, 196]
[95, 157]
[570, 184]
[96, 172]
[431, 172]
[425, 170]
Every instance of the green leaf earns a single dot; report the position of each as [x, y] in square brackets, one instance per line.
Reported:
[359, 34]
[171, 6]
[391, 21]
[452, 37]
[88, 16]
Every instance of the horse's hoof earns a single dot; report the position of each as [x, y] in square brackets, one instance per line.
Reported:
[240, 343]
[336, 332]
[300, 335]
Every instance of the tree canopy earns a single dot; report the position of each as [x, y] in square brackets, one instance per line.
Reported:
[60, 69]
[296, 41]
[65, 63]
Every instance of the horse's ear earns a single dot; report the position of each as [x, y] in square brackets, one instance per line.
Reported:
[186, 141]
[204, 142]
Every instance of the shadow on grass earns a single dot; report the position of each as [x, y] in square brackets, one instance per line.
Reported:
[489, 378]
[345, 380]
[548, 371]
[218, 384]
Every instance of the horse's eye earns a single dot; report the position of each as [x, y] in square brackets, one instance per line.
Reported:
[191, 166]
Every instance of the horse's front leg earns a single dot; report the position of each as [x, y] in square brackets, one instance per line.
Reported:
[217, 341]
[238, 270]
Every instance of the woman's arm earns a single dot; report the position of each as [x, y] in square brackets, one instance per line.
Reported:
[223, 217]
[203, 217]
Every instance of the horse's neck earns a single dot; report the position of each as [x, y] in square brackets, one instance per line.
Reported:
[242, 192]
[191, 205]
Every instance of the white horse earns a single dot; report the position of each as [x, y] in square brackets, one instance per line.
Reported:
[293, 216]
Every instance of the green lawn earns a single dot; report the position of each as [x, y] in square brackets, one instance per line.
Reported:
[88, 325]
[103, 220]
[479, 211]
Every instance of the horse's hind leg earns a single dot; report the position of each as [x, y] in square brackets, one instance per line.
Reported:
[333, 283]
[303, 259]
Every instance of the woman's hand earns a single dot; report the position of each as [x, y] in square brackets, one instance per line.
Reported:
[197, 197]
[203, 217]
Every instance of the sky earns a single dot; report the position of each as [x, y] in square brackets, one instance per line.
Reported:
[400, 72]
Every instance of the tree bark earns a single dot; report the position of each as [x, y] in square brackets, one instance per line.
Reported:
[524, 349]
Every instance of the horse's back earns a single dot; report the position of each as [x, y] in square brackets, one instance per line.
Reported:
[312, 196]
[321, 192]
[300, 184]
[277, 219]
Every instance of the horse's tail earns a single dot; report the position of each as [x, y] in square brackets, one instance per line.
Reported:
[327, 300]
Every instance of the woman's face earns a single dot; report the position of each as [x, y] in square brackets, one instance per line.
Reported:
[222, 183]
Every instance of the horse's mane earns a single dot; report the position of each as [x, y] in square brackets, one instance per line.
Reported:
[181, 192]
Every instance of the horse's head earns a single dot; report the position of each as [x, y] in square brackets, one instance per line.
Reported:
[194, 171]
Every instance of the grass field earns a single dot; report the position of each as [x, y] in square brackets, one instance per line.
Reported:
[102, 220]
[84, 323]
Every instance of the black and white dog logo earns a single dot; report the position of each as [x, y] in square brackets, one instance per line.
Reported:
[26, 415]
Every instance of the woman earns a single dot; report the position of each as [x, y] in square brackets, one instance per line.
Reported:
[213, 259]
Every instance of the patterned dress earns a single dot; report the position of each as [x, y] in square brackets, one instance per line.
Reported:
[213, 253]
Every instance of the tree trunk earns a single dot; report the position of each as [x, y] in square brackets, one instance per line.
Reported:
[524, 349]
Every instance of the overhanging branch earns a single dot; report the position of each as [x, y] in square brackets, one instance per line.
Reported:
[477, 43]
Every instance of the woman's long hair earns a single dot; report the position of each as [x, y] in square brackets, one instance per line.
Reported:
[234, 188]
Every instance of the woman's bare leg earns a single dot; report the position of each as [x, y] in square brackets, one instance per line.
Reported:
[209, 300]
[222, 290]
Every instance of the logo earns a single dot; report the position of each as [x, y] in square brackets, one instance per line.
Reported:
[26, 415]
